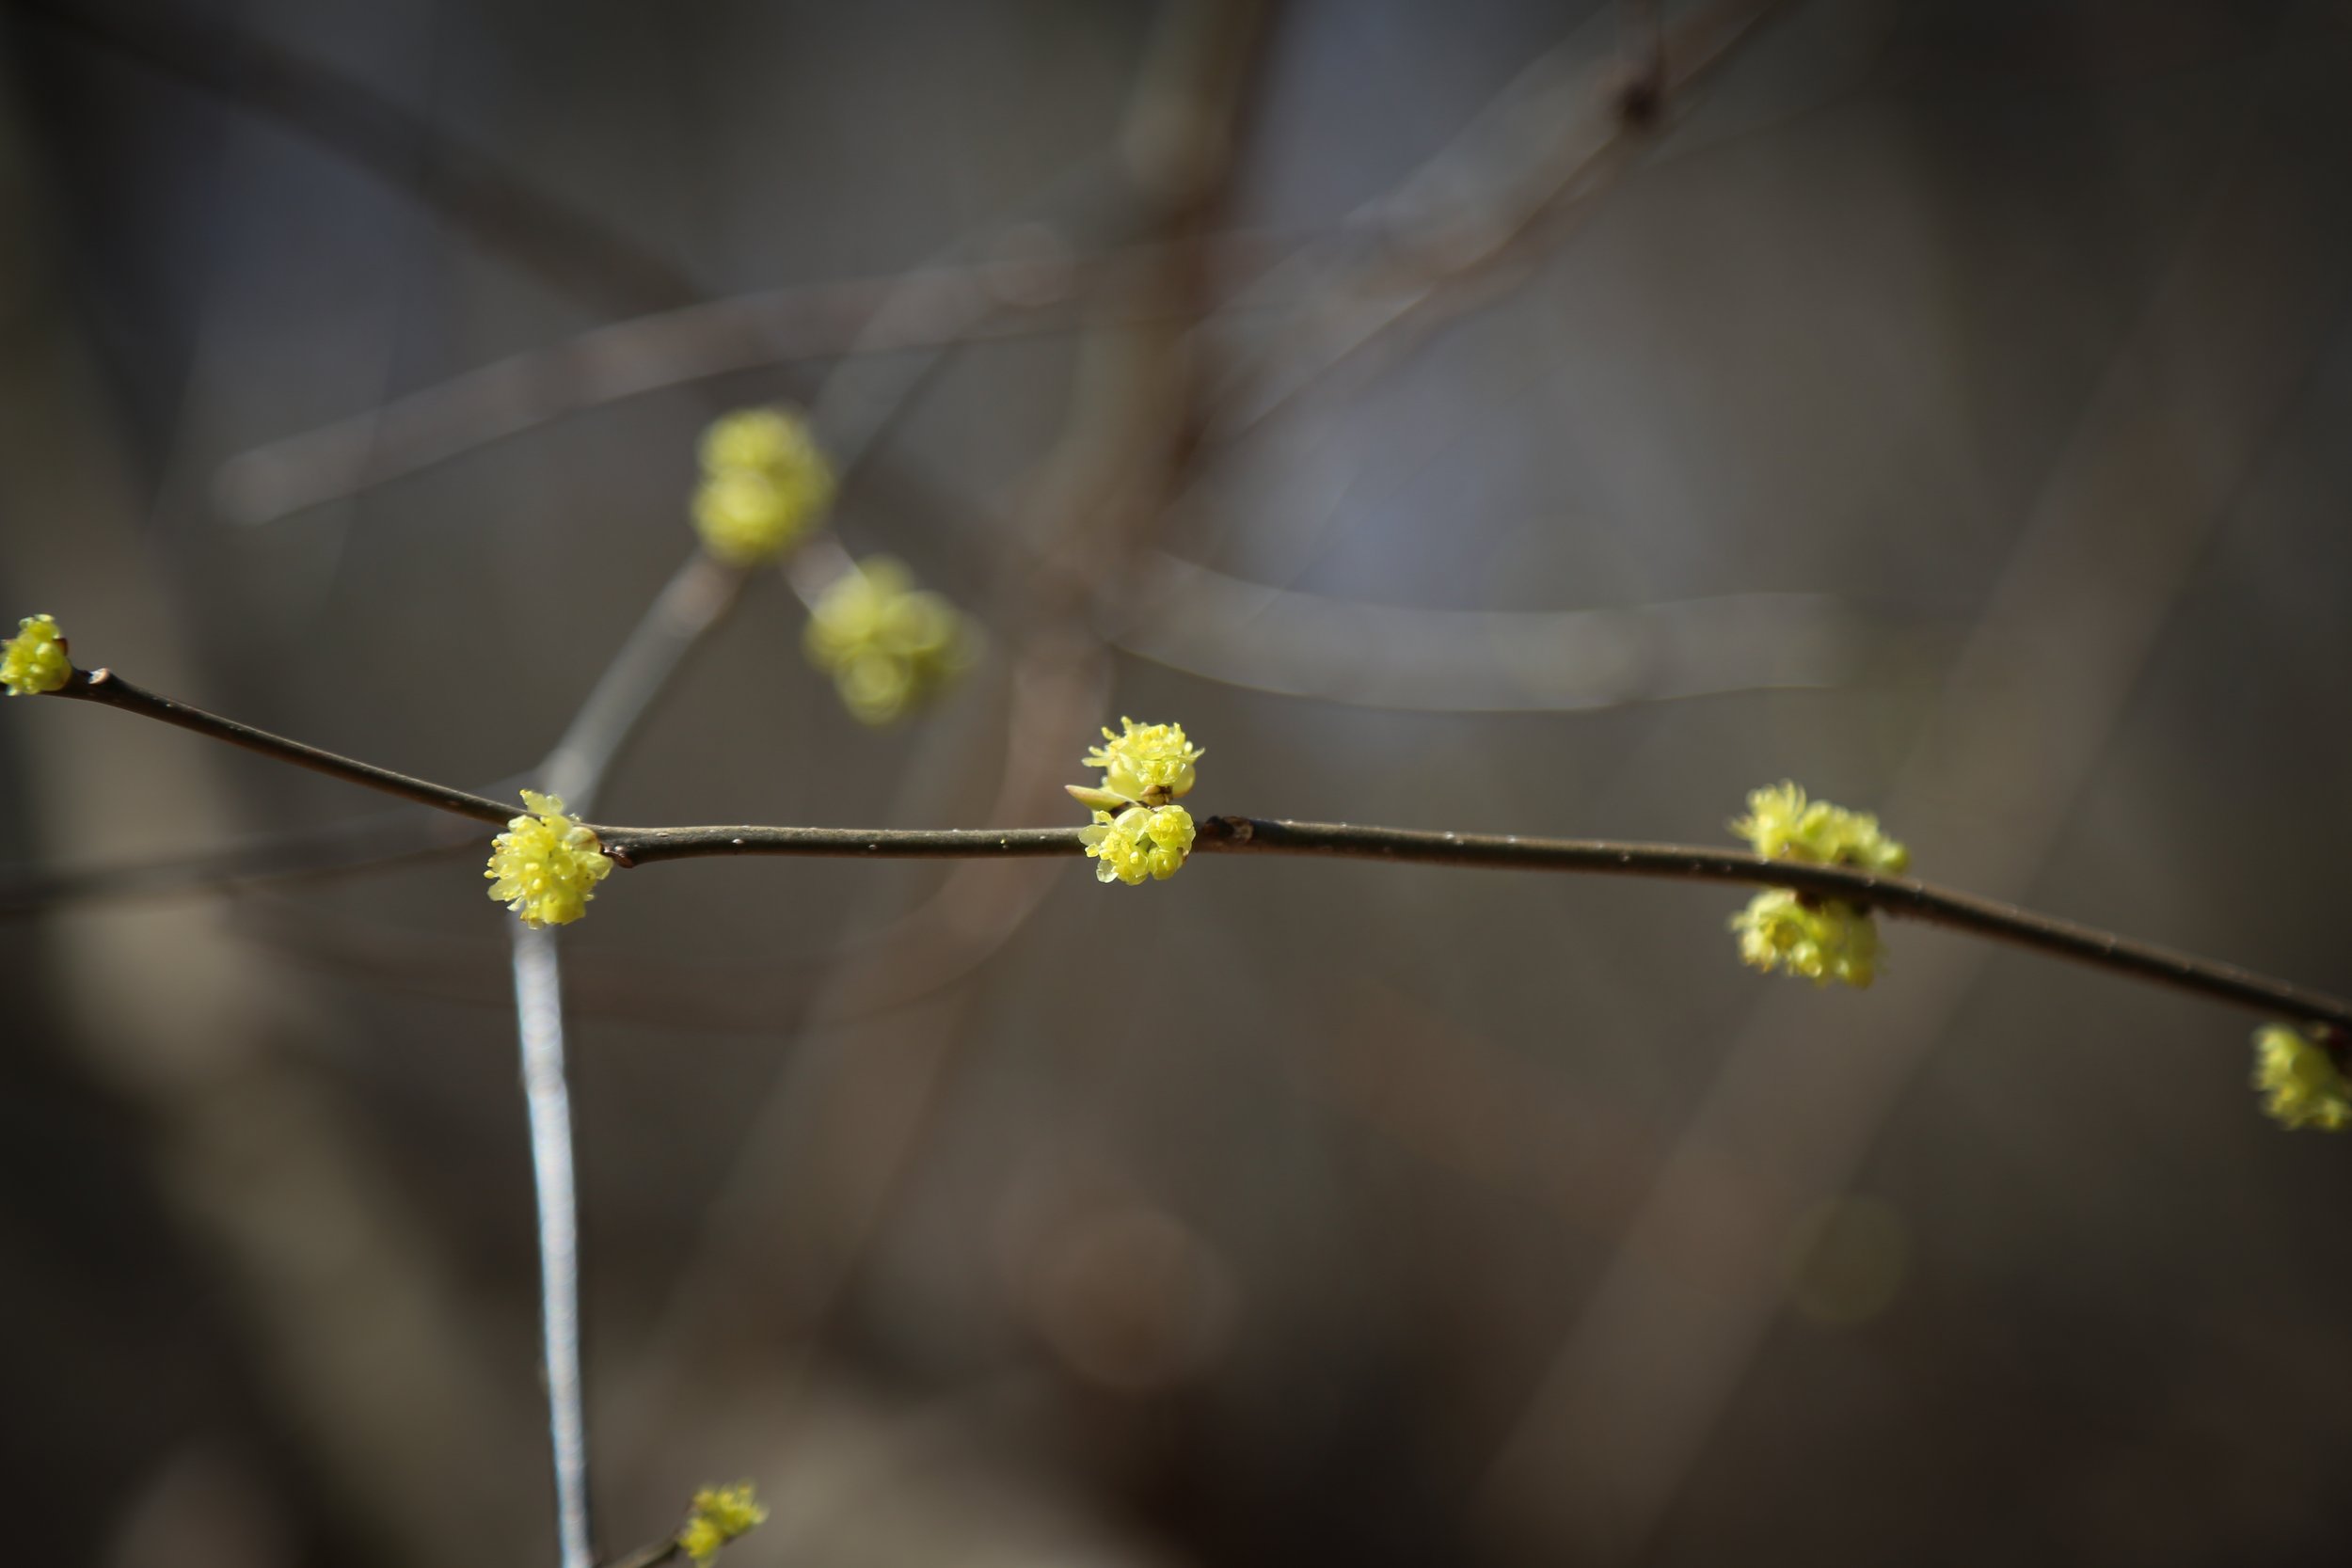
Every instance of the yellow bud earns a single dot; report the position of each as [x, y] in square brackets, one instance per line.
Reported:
[720, 1515]
[766, 483]
[1145, 762]
[546, 867]
[2300, 1079]
[1781, 825]
[1821, 942]
[35, 660]
[886, 644]
[1138, 842]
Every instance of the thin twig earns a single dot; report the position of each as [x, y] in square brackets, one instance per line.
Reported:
[651, 1556]
[697, 596]
[1896, 895]
[311, 855]
[104, 686]
[539, 1024]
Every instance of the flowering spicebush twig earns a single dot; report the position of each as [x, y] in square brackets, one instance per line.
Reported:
[1860, 886]
[1818, 938]
[719, 1515]
[1138, 829]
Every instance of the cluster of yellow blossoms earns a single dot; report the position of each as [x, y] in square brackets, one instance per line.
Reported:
[34, 660]
[1151, 763]
[546, 867]
[764, 482]
[1139, 830]
[1820, 939]
[2303, 1082]
[886, 643]
[720, 1513]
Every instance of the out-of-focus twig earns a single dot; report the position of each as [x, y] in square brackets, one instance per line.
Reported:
[318, 854]
[581, 253]
[1270, 639]
[1567, 126]
[941, 305]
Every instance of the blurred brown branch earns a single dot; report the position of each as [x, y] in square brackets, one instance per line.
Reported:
[581, 253]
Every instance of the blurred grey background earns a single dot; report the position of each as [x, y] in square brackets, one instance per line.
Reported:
[1553, 419]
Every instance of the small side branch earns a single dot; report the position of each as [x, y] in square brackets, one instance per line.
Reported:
[105, 687]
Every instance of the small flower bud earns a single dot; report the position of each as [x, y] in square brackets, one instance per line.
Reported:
[721, 1515]
[2303, 1084]
[1818, 938]
[1099, 800]
[765, 482]
[546, 867]
[1781, 825]
[886, 643]
[35, 660]
[1151, 763]
[1140, 842]
[1821, 942]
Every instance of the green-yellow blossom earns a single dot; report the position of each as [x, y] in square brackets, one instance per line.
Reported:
[1822, 940]
[765, 482]
[1138, 842]
[1151, 763]
[2302, 1083]
[720, 1515]
[1817, 937]
[546, 867]
[34, 660]
[1783, 825]
[886, 643]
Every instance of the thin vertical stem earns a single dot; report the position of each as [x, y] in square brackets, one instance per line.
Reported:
[700, 592]
[539, 1015]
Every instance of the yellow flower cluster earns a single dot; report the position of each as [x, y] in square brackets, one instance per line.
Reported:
[1138, 842]
[1138, 829]
[1821, 941]
[886, 643]
[1783, 825]
[1150, 763]
[765, 481]
[2303, 1086]
[546, 867]
[1818, 939]
[34, 660]
[720, 1515]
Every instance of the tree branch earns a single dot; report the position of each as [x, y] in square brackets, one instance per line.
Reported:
[104, 686]
[1899, 896]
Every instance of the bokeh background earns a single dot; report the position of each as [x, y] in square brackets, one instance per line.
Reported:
[1544, 417]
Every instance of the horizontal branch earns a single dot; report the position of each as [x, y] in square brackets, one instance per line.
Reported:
[105, 687]
[1899, 896]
